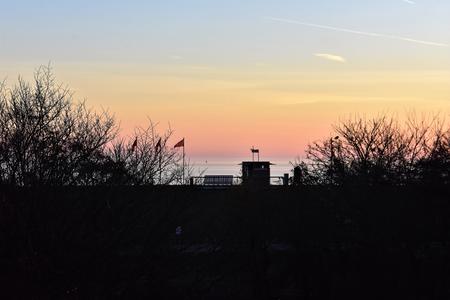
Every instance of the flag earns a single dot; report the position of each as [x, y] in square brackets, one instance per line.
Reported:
[254, 150]
[179, 144]
[133, 147]
[158, 145]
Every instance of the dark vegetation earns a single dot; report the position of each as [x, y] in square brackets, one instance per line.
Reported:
[88, 214]
[274, 243]
[46, 138]
[381, 151]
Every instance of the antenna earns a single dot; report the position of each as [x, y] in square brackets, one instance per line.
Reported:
[253, 153]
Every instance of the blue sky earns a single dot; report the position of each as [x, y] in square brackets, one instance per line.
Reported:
[214, 31]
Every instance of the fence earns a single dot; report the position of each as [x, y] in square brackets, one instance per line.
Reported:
[228, 180]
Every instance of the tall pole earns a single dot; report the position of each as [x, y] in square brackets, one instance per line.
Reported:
[160, 169]
[184, 143]
[332, 160]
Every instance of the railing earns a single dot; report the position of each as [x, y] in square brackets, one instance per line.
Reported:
[277, 180]
[227, 180]
[215, 180]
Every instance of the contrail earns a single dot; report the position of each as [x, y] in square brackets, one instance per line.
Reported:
[372, 34]
[409, 1]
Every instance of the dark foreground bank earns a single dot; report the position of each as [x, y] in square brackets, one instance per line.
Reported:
[277, 243]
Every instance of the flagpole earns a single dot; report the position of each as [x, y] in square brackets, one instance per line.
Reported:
[184, 142]
[160, 169]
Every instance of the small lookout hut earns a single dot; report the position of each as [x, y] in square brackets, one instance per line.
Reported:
[256, 173]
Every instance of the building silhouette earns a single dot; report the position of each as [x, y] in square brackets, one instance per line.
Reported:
[256, 172]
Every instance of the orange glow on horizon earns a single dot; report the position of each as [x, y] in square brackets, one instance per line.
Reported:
[222, 112]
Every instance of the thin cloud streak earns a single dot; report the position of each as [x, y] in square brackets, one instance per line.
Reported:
[409, 1]
[331, 57]
[371, 34]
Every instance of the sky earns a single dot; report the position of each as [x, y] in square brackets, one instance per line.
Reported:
[228, 75]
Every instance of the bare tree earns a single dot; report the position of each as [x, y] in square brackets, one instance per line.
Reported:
[146, 158]
[46, 138]
[380, 151]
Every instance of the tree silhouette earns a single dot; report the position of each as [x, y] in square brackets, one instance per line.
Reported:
[48, 139]
[380, 151]
[147, 159]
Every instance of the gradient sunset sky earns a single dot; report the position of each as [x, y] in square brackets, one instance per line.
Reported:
[231, 74]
